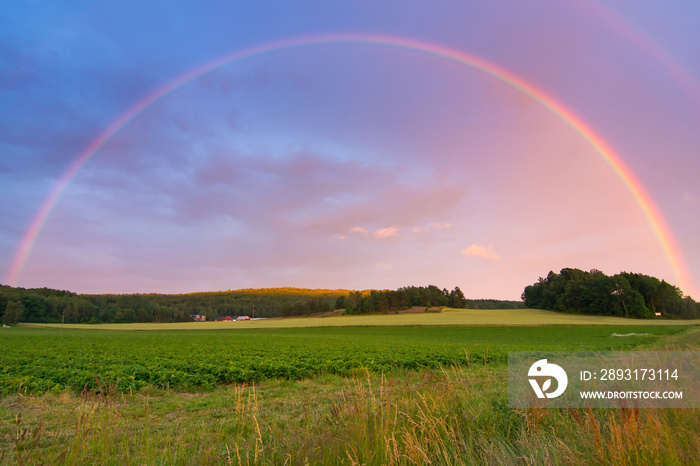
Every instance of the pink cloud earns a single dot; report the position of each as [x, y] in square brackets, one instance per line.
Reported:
[477, 250]
[441, 226]
[389, 232]
[359, 230]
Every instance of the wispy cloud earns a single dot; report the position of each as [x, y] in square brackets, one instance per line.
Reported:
[441, 226]
[359, 230]
[435, 226]
[477, 250]
[389, 232]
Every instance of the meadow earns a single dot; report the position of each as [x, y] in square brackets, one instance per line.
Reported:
[330, 395]
[451, 317]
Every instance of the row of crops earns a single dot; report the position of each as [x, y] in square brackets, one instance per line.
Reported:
[46, 360]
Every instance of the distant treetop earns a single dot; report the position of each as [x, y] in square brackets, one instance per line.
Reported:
[625, 295]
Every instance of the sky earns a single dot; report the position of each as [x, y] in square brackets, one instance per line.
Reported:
[184, 146]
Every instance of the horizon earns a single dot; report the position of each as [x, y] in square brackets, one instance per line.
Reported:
[349, 147]
[253, 290]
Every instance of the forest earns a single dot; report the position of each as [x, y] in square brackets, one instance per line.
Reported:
[364, 302]
[51, 306]
[45, 305]
[625, 294]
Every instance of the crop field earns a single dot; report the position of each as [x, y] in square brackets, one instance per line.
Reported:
[333, 395]
[36, 360]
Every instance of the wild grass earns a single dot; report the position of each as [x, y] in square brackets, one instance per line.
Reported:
[448, 415]
[451, 416]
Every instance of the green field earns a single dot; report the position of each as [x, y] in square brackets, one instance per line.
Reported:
[446, 317]
[36, 360]
[407, 394]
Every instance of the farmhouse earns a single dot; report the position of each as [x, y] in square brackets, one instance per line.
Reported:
[198, 317]
[224, 319]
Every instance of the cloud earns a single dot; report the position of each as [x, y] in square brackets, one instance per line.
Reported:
[435, 226]
[359, 230]
[477, 250]
[441, 226]
[389, 232]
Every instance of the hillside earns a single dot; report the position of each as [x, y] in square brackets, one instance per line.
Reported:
[44, 305]
[48, 305]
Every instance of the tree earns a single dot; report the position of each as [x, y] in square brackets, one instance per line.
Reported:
[457, 298]
[13, 313]
[34, 308]
[631, 300]
[3, 304]
[669, 299]
[532, 295]
[354, 299]
[125, 315]
[691, 309]
[625, 294]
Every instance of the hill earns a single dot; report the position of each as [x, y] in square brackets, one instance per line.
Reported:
[45, 305]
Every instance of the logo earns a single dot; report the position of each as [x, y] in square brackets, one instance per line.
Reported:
[544, 369]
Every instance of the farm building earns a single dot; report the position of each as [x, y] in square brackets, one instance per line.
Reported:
[243, 318]
[224, 319]
[198, 317]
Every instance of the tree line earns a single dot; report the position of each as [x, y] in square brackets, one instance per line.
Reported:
[625, 295]
[45, 305]
[372, 301]
[400, 299]
[384, 301]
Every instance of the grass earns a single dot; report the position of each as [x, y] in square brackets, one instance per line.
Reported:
[449, 416]
[445, 414]
[500, 317]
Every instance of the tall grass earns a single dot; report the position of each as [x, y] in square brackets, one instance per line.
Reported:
[446, 416]
[450, 416]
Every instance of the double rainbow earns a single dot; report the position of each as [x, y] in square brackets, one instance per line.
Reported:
[611, 158]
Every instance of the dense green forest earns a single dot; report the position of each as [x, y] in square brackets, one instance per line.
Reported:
[48, 305]
[625, 294]
[356, 302]
[571, 290]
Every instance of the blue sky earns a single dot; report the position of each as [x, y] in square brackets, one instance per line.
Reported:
[345, 165]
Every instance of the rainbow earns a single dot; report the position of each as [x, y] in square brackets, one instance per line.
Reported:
[614, 161]
[626, 30]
